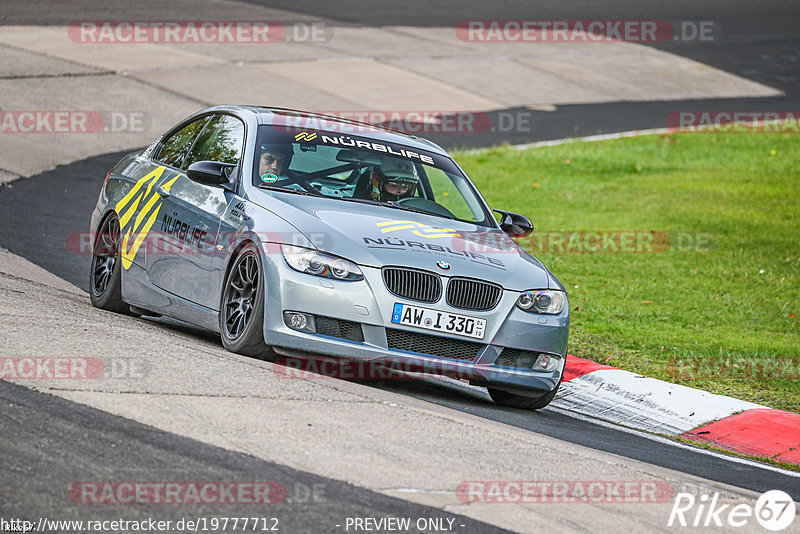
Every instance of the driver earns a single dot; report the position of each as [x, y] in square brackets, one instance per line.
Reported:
[274, 161]
[394, 179]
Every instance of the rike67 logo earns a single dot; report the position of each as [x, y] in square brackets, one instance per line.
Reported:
[774, 510]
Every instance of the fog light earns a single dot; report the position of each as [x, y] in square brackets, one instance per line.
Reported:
[298, 321]
[545, 362]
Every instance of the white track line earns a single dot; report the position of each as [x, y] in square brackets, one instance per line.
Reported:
[590, 138]
[640, 433]
[587, 139]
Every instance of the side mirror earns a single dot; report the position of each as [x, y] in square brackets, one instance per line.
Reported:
[514, 224]
[210, 172]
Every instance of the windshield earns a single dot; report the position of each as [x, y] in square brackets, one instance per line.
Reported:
[358, 169]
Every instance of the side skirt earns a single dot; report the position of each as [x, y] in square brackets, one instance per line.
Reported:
[138, 291]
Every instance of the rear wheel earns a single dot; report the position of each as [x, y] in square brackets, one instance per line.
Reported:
[241, 314]
[105, 281]
[512, 400]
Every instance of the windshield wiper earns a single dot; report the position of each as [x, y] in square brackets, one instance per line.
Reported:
[362, 200]
[396, 204]
[289, 190]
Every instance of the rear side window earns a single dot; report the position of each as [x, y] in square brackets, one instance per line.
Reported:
[174, 149]
[222, 140]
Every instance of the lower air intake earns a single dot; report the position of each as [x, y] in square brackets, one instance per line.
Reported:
[441, 347]
[339, 328]
[521, 359]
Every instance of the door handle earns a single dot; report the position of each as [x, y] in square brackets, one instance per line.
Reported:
[163, 192]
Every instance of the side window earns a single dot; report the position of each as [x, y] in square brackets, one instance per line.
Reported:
[222, 140]
[446, 191]
[174, 149]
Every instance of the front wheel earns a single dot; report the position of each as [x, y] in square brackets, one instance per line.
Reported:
[512, 400]
[241, 314]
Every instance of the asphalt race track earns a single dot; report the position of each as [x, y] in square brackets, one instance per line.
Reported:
[86, 435]
[73, 187]
[49, 442]
[758, 40]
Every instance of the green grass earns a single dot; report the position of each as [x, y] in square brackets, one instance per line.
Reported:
[730, 301]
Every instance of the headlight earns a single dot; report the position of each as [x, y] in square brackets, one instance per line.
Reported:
[542, 301]
[320, 264]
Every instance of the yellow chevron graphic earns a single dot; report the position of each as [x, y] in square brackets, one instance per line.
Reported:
[152, 203]
[149, 180]
[305, 136]
[443, 232]
[387, 223]
[422, 230]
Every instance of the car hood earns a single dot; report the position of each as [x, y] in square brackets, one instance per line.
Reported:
[377, 236]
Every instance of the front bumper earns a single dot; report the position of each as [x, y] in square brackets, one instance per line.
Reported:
[368, 304]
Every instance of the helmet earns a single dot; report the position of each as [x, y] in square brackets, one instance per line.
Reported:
[397, 171]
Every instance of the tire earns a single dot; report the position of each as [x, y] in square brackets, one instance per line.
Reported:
[105, 279]
[241, 311]
[512, 400]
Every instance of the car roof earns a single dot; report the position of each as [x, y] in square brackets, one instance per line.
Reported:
[274, 115]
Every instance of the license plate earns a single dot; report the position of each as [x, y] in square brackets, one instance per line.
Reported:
[439, 321]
